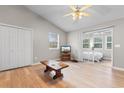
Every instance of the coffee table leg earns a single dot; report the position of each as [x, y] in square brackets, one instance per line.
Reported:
[58, 74]
[47, 69]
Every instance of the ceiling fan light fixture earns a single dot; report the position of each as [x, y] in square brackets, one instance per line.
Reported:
[78, 12]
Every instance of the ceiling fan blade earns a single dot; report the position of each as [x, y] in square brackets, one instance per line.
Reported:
[84, 14]
[85, 7]
[68, 14]
[73, 8]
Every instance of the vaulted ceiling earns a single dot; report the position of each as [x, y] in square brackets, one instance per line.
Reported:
[99, 14]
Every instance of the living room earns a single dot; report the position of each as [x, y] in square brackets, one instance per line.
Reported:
[34, 38]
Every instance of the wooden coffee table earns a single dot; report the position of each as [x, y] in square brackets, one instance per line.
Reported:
[57, 69]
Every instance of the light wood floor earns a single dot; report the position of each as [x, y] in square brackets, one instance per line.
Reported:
[76, 75]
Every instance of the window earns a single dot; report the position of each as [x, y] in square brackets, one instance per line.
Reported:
[100, 39]
[108, 42]
[53, 40]
[98, 42]
[86, 43]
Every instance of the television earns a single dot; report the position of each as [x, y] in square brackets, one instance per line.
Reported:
[65, 49]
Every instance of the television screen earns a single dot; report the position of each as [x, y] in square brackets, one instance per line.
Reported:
[65, 48]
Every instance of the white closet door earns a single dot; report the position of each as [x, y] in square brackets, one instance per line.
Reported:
[28, 47]
[21, 47]
[4, 49]
[24, 45]
[15, 47]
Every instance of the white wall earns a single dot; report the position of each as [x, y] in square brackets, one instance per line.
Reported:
[21, 16]
[74, 40]
[118, 38]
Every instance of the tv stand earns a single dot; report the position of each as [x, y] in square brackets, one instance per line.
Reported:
[65, 56]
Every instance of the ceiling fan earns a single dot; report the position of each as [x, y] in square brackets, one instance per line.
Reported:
[78, 12]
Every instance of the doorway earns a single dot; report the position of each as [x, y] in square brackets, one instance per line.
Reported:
[98, 46]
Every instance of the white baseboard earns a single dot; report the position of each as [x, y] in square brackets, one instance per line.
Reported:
[118, 68]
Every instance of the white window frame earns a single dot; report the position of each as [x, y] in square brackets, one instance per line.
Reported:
[98, 42]
[107, 42]
[57, 41]
[86, 43]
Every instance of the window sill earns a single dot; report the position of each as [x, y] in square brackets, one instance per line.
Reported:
[53, 48]
[108, 49]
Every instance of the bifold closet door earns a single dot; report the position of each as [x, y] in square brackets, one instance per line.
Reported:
[13, 32]
[15, 47]
[4, 49]
[20, 47]
[24, 47]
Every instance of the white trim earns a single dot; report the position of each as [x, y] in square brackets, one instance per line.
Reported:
[14, 26]
[112, 46]
[118, 68]
[32, 46]
[100, 29]
[54, 48]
